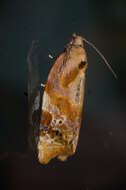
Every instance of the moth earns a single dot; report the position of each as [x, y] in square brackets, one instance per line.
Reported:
[62, 103]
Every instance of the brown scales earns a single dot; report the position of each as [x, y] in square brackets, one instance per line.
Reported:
[64, 105]
[63, 94]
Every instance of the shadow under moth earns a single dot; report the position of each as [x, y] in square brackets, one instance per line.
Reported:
[55, 117]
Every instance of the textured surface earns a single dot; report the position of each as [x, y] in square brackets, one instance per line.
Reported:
[34, 95]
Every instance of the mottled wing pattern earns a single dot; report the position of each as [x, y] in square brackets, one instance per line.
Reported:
[63, 103]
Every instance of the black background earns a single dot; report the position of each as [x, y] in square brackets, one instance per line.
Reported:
[100, 160]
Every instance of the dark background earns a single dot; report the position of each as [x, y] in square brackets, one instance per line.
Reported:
[100, 160]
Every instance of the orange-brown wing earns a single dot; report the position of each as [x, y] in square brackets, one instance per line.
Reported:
[63, 103]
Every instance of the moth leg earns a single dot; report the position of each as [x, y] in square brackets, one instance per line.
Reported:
[50, 56]
[43, 85]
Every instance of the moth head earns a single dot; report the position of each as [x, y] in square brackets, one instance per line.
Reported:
[76, 40]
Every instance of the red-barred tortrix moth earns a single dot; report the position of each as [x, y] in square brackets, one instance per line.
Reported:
[63, 103]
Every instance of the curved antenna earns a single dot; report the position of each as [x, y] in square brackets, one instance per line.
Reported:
[102, 56]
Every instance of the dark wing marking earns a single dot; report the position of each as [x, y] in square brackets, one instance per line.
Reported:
[77, 96]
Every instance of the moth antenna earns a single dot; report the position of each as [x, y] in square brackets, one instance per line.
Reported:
[102, 56]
